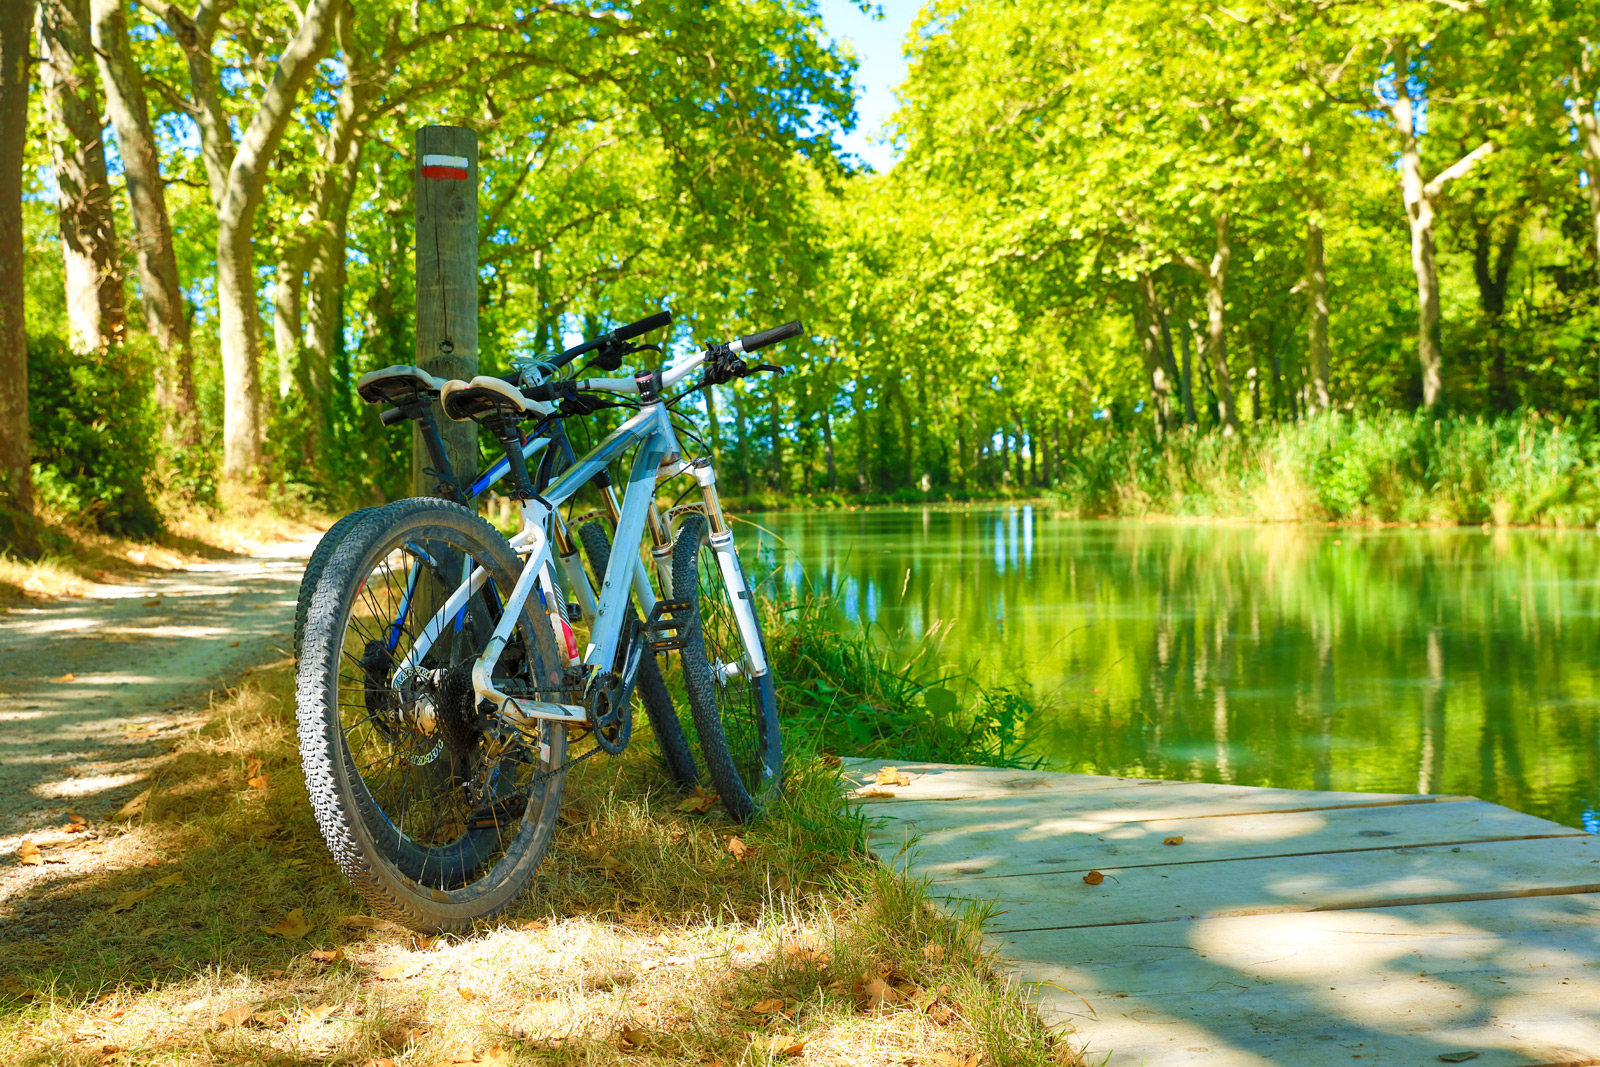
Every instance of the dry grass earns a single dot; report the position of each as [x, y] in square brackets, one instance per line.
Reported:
[643, 939]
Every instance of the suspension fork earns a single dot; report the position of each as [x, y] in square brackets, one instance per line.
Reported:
[721, 538]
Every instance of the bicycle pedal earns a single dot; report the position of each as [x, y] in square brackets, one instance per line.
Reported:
[667, 619]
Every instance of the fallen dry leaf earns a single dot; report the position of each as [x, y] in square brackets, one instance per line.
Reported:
[169, 881]
[891, 776]
[327, 955]
[933, 953]
[133, 807]
[782, 1045]
[75, 827]
[628, 1037]
[370, 922]
[700, 803]
[533, 925]
[127, 901]
[234, 1017]
[320, 1013]
[737, 848]
[881, 994]
[874, 791]
[394, 972]
[497, 1056]
[469, 991]
[69, 676]
[1172, 840]
[28, 854]
[767, 1007]
[1094, 878]
[273, 1019]
[610, 864]
[380, 1061]
[292, 927]
[74, 817]
[254, 777]
[799, 953]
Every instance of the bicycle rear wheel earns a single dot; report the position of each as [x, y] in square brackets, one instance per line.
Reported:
[735, 710]
[436, 812]
[319, 559]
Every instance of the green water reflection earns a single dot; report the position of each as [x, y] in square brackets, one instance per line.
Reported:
[1432, 661]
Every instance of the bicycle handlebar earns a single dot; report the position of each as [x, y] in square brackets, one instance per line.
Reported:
[621, 333]
[755, 341]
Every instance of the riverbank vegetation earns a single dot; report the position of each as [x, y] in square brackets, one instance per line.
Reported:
[1095, 254]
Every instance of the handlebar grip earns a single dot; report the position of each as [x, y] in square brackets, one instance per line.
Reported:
[621, 333]
[757, 341]
[643, 326]
[546, 393]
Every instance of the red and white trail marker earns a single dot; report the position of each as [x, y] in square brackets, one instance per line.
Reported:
[445, 167]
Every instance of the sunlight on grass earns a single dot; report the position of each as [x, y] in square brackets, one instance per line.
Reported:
[648, 934]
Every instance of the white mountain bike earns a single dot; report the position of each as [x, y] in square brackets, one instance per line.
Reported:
[440, 677]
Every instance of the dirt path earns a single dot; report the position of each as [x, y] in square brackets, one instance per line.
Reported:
[93, 689]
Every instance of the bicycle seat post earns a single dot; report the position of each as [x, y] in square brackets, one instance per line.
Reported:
[507, 431]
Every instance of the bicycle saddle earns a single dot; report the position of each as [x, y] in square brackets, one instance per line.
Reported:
[393, 384]
[485, 395]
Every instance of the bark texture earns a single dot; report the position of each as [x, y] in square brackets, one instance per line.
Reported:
[1215, 275]
[1420, 197]
[239, 324]
[1316, 293]
[96, 317]
[161, 293]
[16, 486]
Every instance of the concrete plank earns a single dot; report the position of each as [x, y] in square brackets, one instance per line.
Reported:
[1001, 837]
[1513, 980]
[1164, 892]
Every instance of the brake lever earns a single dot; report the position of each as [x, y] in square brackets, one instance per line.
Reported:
[770, 368]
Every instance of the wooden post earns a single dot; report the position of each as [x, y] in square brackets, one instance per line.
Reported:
[447, 284]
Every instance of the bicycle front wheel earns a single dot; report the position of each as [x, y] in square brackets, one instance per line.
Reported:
[437, 813]
[735, 709]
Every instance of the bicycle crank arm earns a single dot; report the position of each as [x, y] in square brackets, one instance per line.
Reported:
[525, 715]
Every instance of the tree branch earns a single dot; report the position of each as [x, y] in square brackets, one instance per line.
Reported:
[1457, 169]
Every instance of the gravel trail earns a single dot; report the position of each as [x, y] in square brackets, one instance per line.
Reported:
[93, 689]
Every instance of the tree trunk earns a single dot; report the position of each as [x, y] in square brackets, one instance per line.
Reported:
[1149, 324]
[161, 292]
[16, 484]
[742, 425]
[239, 325]
[1420, 196]
[827, 436]
[1188, 378]
[779, 481]
[859, 423]
[288, 334]
[1215, 274]
[1316, 294]
[1584, 78]
[713, 426]
[95, 314]
[1492, 269]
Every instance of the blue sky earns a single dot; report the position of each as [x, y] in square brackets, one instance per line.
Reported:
[877, 46]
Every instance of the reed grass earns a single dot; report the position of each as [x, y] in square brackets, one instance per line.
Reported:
[1522, 469]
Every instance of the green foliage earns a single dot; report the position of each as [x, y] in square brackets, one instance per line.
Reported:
[842, 691]
[94, 434]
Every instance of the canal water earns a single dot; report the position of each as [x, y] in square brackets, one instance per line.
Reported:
[1404, 660]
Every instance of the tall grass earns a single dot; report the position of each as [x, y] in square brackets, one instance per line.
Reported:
[841, 690]
[1515, 470]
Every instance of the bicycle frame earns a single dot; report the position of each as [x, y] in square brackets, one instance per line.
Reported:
[658, 456]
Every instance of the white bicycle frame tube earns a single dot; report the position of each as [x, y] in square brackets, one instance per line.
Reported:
[626, 572]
